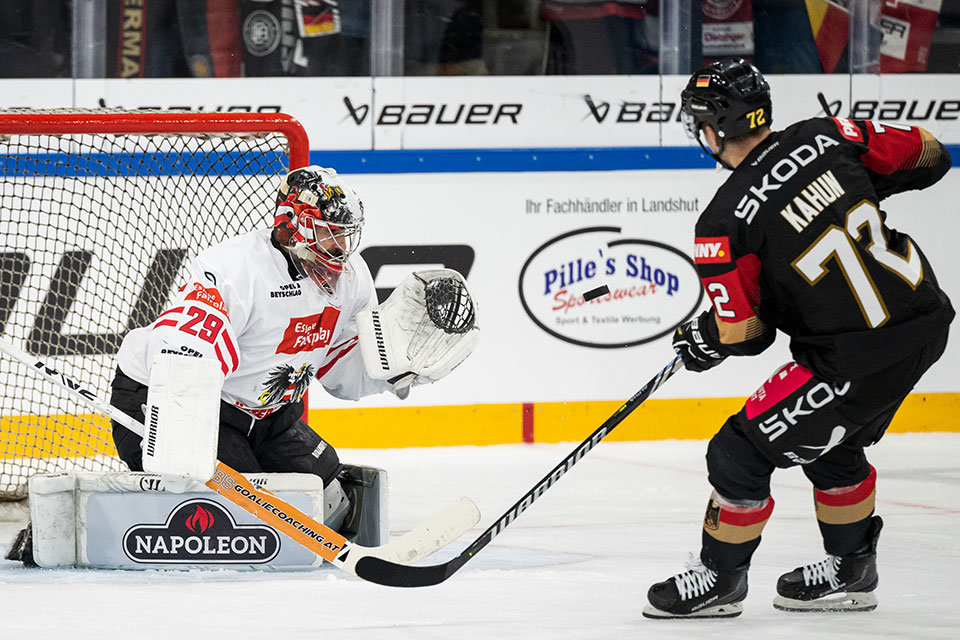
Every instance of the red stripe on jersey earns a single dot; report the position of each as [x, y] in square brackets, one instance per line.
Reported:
[849, 495]
[743, 517]
[325, 368]
[232, 350]
[780, 385]
[892, 149]
[735, 294]
[223, 362]
[166, 323]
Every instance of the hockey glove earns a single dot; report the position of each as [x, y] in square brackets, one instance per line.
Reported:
[691, 342]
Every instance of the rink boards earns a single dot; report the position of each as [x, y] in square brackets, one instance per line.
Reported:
[540, 189]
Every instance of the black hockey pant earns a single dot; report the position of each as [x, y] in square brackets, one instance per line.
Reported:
[798, 418]
[280, 443]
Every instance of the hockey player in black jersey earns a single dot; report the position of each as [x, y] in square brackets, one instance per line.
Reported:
[795, 241]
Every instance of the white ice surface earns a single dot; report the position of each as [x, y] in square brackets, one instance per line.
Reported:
[576, 565]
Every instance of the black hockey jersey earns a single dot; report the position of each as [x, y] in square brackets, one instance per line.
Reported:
[795, 240]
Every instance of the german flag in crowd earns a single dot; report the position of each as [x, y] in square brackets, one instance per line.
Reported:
[830, 23]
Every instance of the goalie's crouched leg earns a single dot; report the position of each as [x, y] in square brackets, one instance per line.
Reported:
[280, 443]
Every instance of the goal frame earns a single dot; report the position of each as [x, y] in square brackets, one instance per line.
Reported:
[77, 121]
[162, 123]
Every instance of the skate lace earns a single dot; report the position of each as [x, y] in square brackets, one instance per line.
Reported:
[823, 571]
[696, 581]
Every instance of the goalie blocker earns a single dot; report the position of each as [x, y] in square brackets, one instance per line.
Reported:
[422, 332]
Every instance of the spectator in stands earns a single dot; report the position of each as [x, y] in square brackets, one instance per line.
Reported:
[596, 37]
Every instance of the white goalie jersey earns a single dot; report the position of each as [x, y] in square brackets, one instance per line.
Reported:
[271, 329]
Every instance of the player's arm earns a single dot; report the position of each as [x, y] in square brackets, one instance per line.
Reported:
[897, 157]
[342, 373]
[732, 326]
[197, 324]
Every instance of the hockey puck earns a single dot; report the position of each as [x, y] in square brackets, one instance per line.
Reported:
[596, 293]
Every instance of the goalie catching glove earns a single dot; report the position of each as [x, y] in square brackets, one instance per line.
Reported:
[421, 332]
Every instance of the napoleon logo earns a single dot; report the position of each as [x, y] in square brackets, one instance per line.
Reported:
[201, 531]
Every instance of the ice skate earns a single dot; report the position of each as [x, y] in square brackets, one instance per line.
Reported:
[698, 592]
[837, 583]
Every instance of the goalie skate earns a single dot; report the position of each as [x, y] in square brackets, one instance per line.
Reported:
[837, 583]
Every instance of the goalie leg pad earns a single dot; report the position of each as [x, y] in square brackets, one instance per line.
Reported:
[152, 521]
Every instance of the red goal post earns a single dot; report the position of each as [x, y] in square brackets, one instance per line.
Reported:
[100, 210]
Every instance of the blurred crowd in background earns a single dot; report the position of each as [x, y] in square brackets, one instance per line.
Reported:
[256, 38]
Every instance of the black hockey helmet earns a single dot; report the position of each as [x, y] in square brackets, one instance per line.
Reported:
[729, 95]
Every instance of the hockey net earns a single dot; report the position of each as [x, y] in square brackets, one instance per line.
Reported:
[99, 214]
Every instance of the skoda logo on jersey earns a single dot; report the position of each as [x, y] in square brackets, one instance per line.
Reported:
[201, 531]
[653, 287]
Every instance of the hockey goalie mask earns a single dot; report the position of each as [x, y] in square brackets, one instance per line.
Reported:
[319, 220]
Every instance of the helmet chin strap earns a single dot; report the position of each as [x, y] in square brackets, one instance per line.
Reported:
[715, 156]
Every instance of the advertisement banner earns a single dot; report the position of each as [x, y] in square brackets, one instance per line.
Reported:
[539, 241]
[489, 112]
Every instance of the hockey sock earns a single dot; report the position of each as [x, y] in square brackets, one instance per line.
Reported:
[844, 515]
[731, 531]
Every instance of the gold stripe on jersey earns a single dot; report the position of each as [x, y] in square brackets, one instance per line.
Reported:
[929, 150]
[736, 332]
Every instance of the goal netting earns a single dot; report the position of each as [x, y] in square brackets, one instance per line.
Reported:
[99, 214]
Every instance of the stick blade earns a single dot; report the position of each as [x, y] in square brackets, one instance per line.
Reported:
[391, 574]
[432, 534]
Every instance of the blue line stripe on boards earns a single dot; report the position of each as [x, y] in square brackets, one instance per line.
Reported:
[513, 160]
[399, 161]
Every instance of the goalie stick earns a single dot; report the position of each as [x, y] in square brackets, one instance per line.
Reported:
[394, 575]
[430, 535]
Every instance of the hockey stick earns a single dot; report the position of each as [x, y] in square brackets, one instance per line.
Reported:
[432, 534]
[394, 575]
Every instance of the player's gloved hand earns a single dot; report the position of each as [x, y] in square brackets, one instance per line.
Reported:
[690, 341]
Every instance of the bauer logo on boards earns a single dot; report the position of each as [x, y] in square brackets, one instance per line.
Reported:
[201, 531]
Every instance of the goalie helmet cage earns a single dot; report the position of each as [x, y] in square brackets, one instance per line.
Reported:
[100, 211]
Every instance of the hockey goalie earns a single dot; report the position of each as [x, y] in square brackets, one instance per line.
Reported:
[221, 373]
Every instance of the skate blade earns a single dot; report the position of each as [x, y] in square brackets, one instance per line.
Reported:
[731, 610]
[852, 601]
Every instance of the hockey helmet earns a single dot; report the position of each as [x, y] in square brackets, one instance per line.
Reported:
[729, 95]
[319, 220]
